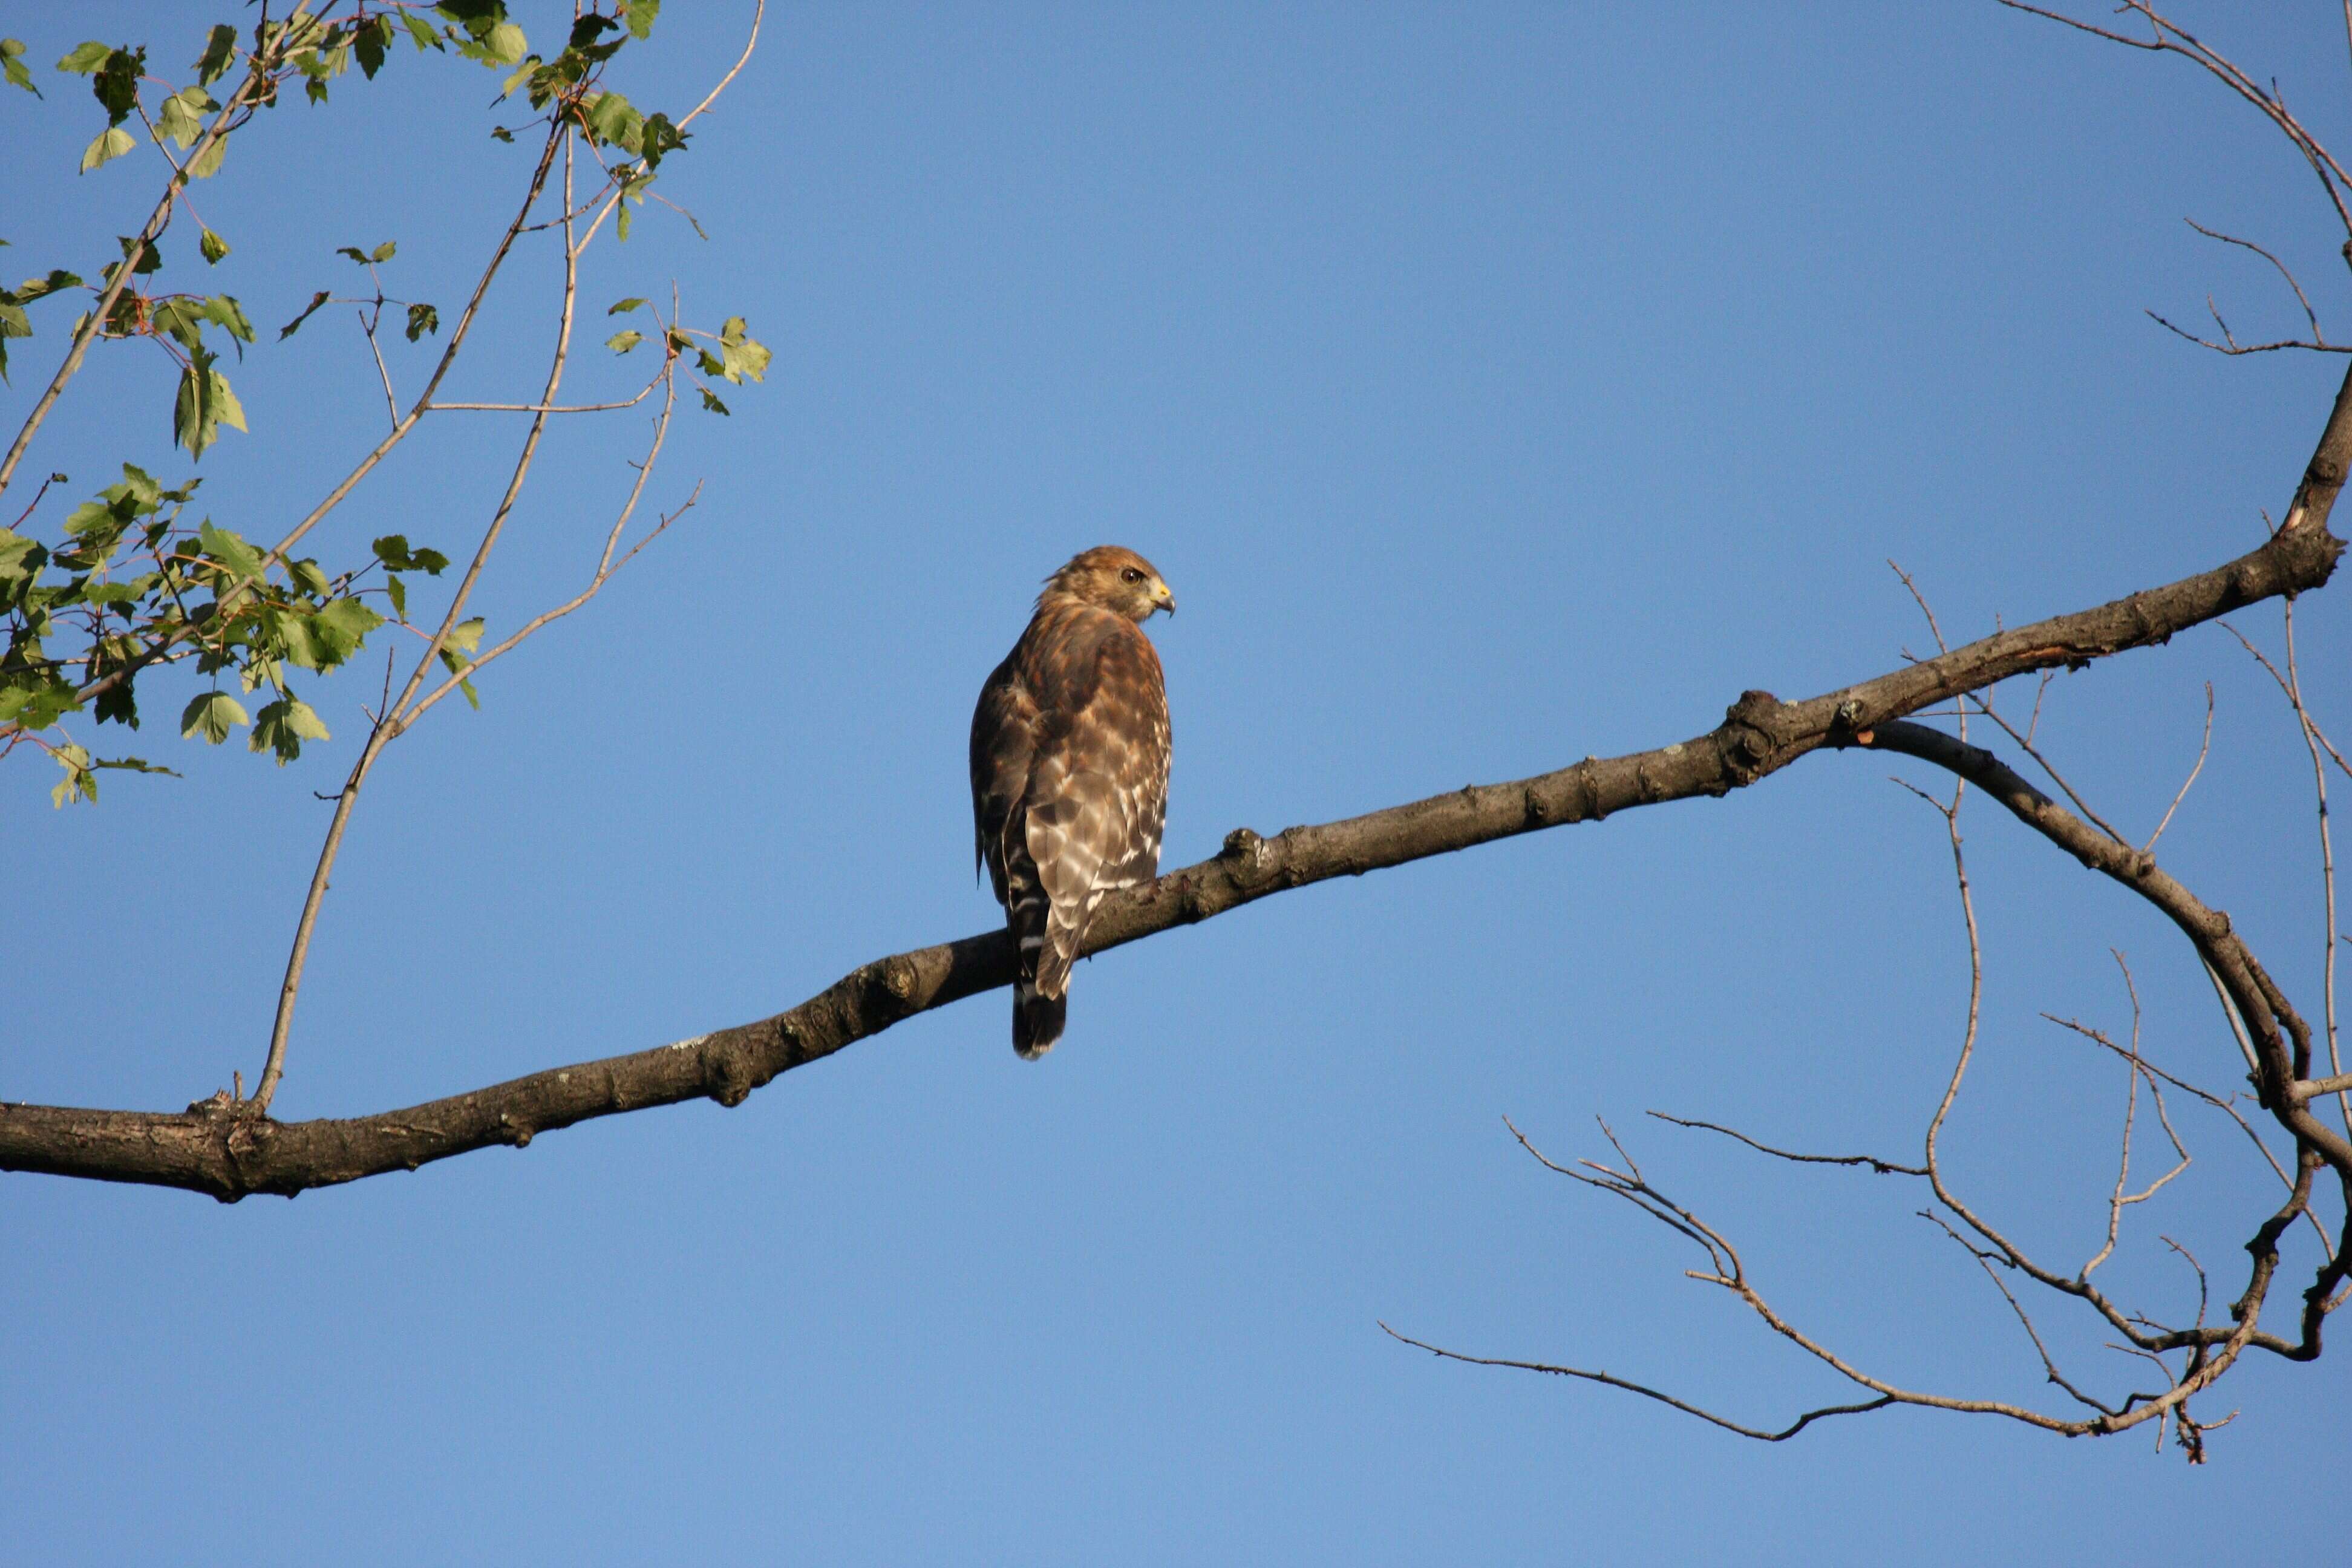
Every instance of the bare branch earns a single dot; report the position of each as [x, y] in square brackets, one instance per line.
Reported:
[2167, 37]
[2318, 339]
[2230, 346]
[281, 1025]
[230, 1156]
[1883, 1167]
[1985, 1260]
[1782, 1435]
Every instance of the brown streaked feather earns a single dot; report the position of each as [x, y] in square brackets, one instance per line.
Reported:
[1069, 771]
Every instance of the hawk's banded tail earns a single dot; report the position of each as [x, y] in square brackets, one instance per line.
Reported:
[1037, 1018]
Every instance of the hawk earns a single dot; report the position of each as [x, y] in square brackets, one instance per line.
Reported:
[1069, 771]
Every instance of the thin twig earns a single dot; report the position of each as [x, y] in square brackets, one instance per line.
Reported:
[1762, 1435]
[1883, 1167]
[2203, 746]
[2055, 776]
[390, 403]
[2318, 339]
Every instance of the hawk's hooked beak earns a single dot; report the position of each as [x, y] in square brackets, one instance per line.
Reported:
[1161, 599]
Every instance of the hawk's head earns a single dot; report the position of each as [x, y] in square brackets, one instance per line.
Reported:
[1116, 579]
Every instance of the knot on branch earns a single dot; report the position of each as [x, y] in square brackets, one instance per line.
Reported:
[1244, 849]
[726, 1077]
[1747, 737]
[888, 985]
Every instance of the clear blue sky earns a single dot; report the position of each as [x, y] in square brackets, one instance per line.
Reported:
[1495, 385]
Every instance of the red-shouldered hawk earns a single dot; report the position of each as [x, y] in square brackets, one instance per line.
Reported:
[1069, 771]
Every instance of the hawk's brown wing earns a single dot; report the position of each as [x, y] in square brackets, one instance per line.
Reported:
[1003, 738]
[1080, 708]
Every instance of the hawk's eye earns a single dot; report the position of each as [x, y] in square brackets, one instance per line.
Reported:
[1130, 575]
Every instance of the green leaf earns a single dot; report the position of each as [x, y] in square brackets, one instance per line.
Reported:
[79, 779]
[641, 15]
[85, 57]
[14, 323]
[261, 668]
[710, 400]
[38, 701]
[308, 576]
[20, 557]
[111, 143]
[179, 123]
[33, 289]
[423, 319]
[208, 161]
[227, 409]
[13, 68]
[631, 304]
[222, 311]
[87, 518]
[742, 355]
[230, 550]
[343, 626]
[194, 425]
[506, 44]
[587, 30]
[394, 552]
[213, 247]
[290, 328]
[421, 33]
[622, 342]
[144, 259]
[608, 114]
[116, 85]
[145, 494]
[203, 403]
[530, 63]
[656, 137]
[211, 717]
[465, 638]
[181, 321]
[291, 634]
[220, 52]
[398, 592]
[135, 765]
[369, 43]
[118, 704]
[283, 726]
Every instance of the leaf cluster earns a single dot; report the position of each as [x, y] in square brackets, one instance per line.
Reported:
[130, 579]
[135, 583]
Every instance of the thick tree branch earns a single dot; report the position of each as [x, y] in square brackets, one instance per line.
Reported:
[228, 1151]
